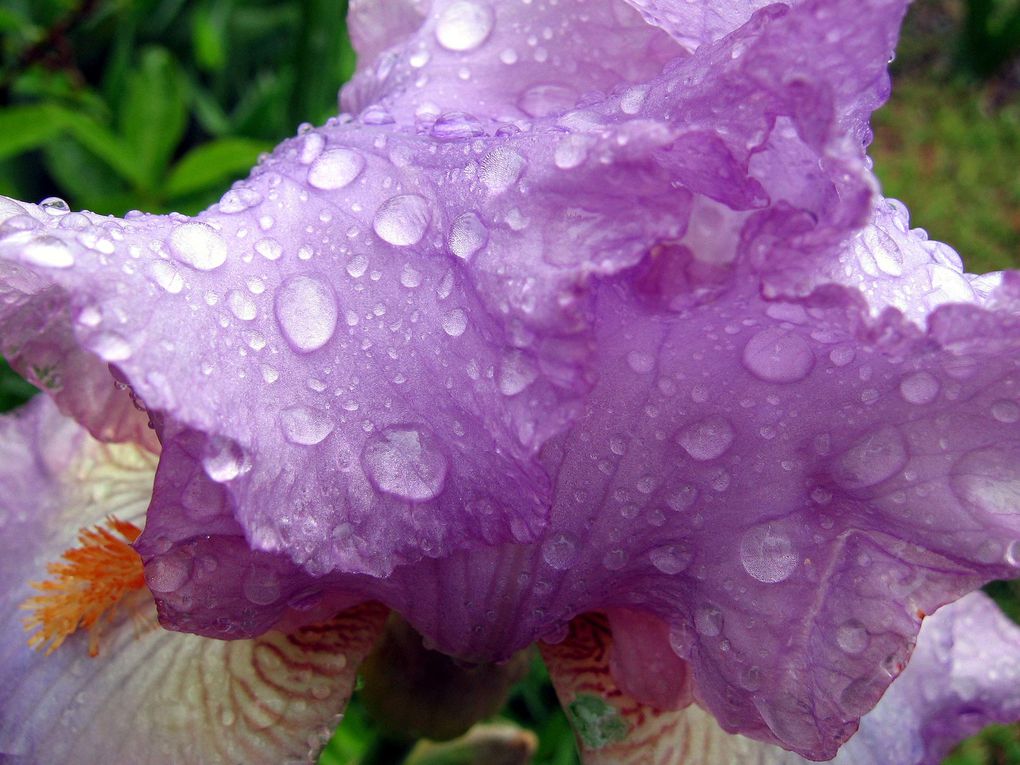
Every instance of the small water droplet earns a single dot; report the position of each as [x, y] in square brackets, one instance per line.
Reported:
[49, 252]
[560, 551]
[261, 585]
[223, 461]
[614, 560]
[516, 373]
[767, 554]
[988, 479]
[198, 246]
[239, 200]
[852, 637]
[633, 99]
[168, 572]
[873, 459]
[919, 388]
[464, 25]
[55, 206]
[501, 168]
[467, 236]
[335, 169]
[269, 248]
[405, 461]
[671, 559]
[304, 425]
[779, 356]
[242, 306]
[409, 277]
[708, 620]
[306, 310]
[707, 439]
[1006, 411]
[402, 220]
[641, 362]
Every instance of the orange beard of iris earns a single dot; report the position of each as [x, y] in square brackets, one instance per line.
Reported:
[86, 586]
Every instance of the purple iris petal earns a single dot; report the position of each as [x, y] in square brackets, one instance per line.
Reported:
[574, 313]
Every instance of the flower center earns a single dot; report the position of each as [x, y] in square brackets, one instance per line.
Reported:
[86, 586]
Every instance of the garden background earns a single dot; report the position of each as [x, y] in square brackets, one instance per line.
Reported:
[160, 104]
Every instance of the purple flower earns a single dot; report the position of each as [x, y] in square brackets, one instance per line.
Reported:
[581, 312]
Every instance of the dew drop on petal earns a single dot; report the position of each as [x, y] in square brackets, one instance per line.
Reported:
[305, 426]
[852, 637]
[402, 220]
[641, 362]
[242, 306]
[48, 251]
[464, 25]
[707, 439]
[708, 620]
[239, 200]
[919, 388]
[1006, 412]
[560, 551]
[166, 276]
[777, 355]
[670, 559]
[873, 459]
[261, 585]
[166, 573]
[406, 462]
[455, 322]
[335, 169]
[501, 168]
[516, 373]
[55, 206]
[224, 461]
[767, 554]
[988, 479]
[306, 310]
[269, 248]
[467, 236]
[198, 246]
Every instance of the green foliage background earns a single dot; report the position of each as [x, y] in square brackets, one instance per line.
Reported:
[161, 104]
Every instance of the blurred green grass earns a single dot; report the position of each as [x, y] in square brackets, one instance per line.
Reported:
[160, 104]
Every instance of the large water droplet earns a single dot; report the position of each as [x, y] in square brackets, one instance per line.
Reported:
[467, 236]
[304, 425]
[242, 306]
[516, 373]
[545, 100]
[405, 461]
[707, 439]
[166, 573]
[198, 245]
[1005, 411]
[402, 220]
[455, 322]
[767, 554]
[919, 388]
[261, 585]
[501, 168]
[464, 25]
[988, 479]
[560, 551]
[873, 459]
[335, 169]
[852, 637]
[224, 461]
[48, 251]
[777, 355]
[239, 200]
[671, 559]
[55, 206]
[306, 310]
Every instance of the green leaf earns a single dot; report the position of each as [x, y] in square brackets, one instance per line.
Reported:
[23, 128]
[214, 164]
[107, 146]
[153, 113]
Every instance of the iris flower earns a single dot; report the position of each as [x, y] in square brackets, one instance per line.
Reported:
[583, 324]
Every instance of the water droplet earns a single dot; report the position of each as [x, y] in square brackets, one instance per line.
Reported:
[304, 425]
[767, 554]
[48, 251]
[455, 322]
[501, 168]
[239, 200]
[571, 152]
[456, 126]
[405, 461]
[641, 362]
[198, 246]
[708, 620]
[242, 306]
[614, 560]
[409, 277]
[261, 585]
[1006, 411]
[516, 373]
[402, 220]
[269, 248]
[988, 479]
[777, 355]
[306, 310]
[545, 100]
[852, 637]
[464, 25]
[560, 551]
[873, 459]
[707, 439]
[167, 573]
[467, 236]
[224, 461]
[919, 388]
[671, 559]
[55, 206]
[1013, 553]
[633, 99]
[335, 169]
[110, 346]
